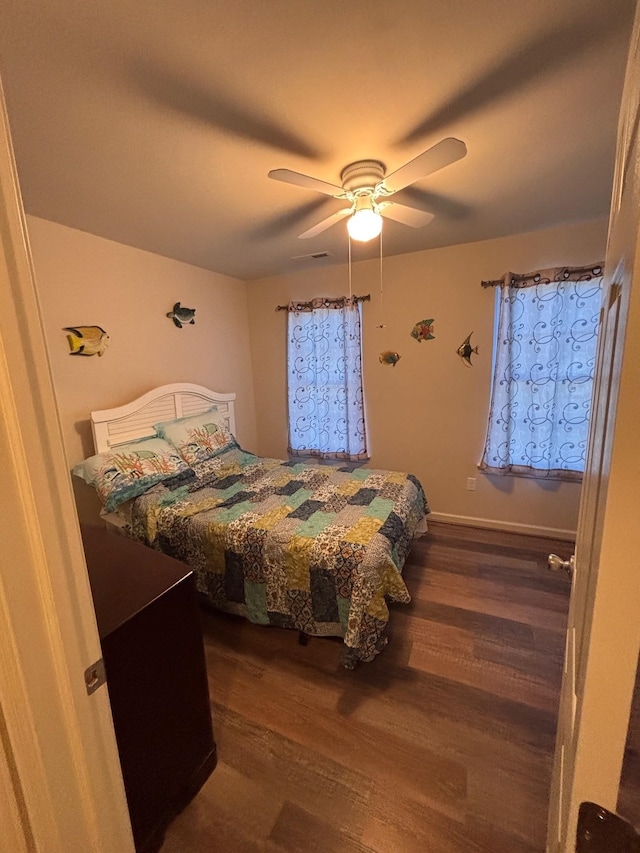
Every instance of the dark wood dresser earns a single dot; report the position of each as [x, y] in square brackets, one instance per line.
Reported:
[151, 639]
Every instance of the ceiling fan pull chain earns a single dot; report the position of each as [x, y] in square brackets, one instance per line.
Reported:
[381, 272]
[381, 324]
[349, 239]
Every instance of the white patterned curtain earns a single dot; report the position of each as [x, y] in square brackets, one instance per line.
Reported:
[543, 376]
[324, 355]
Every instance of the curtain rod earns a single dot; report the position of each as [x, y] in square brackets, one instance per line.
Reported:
[322, 302]
[511, 279]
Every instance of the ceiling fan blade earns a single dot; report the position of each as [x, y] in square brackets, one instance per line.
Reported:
[306, 182]
[443, 154]
[325, 223]
[406, 215]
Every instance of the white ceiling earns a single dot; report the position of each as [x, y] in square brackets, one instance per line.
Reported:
[155, 122]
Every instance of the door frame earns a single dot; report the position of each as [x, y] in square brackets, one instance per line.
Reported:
[60, 781]
[606, 598]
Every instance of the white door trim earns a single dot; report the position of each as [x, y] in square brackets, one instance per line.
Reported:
[60, 781]
[605, 603]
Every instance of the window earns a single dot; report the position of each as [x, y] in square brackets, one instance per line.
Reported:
[543, 373]
[324, 359]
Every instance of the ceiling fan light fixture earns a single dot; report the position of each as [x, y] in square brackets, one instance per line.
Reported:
[365, 223]
[366, 187]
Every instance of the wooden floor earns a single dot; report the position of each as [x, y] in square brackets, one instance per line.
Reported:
[442, 745]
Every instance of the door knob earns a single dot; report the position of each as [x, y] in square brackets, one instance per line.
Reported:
[557, 564]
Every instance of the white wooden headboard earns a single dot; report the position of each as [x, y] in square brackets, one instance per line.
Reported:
[134, 420]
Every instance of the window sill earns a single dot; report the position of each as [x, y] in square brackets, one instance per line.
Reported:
[557, 475]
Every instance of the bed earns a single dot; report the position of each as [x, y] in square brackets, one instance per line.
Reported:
[318, 548]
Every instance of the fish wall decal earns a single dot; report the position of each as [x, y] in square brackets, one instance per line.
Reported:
[389, 357]
[87, 340]
[423, 331]
[465, 349]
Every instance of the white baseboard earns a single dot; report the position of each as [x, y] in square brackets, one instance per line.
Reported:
[510, 526]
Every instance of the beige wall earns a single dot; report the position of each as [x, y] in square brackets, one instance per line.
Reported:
[87, 280]
[428, 414]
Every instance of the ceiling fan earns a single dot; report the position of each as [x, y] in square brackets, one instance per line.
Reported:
[367, 189]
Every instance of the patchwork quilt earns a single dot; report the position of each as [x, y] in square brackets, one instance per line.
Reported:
[316, 548]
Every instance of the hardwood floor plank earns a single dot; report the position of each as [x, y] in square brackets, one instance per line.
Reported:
[455, 653]
[535, 608]
[529, 662]
[297, 831]
[402, 824]
[461, 738]
[459, 559]
[497, 591]
[479, 539]
[481, 625]
[316, 723]
[494, 839]
[443, 744]
[228, 807]
[322, 787]
[520, 809]
[496, 678]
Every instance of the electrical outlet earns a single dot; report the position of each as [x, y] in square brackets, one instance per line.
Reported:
[471, 484]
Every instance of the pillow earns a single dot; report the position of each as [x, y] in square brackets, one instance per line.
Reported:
[130, 469]
[198, 437]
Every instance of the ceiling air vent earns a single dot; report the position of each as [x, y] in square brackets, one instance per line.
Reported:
[315, 256]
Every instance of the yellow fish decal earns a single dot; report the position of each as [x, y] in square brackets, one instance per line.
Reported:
[87, 340]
